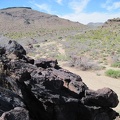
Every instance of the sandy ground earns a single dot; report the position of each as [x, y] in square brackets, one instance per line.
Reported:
[93, 81]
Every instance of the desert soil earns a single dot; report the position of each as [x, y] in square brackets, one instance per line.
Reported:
[95, 81]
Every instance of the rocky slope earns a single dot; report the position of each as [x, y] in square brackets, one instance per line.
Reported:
[18, 22]
[41, 90]
[95, 25]
[112, 22]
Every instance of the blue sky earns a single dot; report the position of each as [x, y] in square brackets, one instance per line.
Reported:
[83, 11]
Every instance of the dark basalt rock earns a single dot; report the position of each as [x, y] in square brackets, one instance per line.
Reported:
[17, 113]
[103, 97]
[44, 91]
[14, 47]
[28, 59]
[2, 50]
[46, 63]
[17, 7]
[9, 100]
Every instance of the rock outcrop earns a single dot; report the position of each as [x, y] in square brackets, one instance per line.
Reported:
[17, 113]
[42, 90]
[112, 23]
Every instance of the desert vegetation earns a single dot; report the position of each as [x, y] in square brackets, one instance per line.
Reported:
[113, 73]
[116, 64]
[46, 38]
[84, 47]
[96, 48]
[89, 49]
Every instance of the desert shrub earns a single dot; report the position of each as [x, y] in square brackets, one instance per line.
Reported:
[113, 73]
[114, 58]
[116, 64]
[60, 38]
[37, 45]
[83, 63]
[62, 57]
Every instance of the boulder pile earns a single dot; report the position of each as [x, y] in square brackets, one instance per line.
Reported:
[41, 90]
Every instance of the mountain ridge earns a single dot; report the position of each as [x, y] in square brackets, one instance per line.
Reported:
[96, 24]
[15, 7]
[24, 20]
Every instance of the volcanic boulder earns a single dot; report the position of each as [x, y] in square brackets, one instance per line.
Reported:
[103, 97]
[41, 90]
[17, 113]
[14, 47]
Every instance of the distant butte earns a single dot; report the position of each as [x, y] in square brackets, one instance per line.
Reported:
[16, 7]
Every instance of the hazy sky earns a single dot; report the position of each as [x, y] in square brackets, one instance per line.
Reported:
[83, 11]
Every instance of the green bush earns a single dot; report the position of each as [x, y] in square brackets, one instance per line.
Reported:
[37, 45]
[116, 64]
[113, 73]
[60, 38]
[62, 57]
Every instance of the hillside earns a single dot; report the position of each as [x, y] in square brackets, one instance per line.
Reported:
[18, 22]
[91, 49]
[100, 44]
[50, 36]
[94, 25]
[112, 22]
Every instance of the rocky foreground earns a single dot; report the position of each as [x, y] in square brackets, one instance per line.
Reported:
[41, 90]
